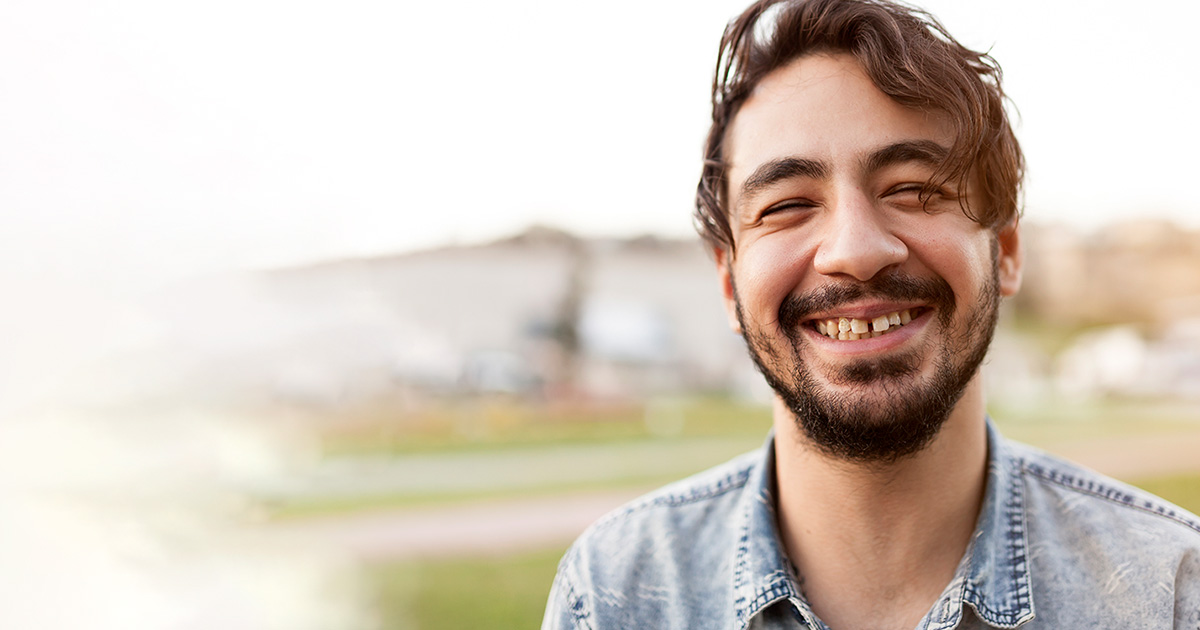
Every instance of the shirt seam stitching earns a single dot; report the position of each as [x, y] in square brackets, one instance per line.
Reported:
[731, 482]
[1141, 504]
[573, 597]
[1013, 509]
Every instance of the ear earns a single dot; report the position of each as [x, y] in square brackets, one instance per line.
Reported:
[725, 278]
[1012, 258]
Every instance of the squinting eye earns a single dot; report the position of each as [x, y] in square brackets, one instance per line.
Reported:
[906, 188]
[792, 204]
[909, 196]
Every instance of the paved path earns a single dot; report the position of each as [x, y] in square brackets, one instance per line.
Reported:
[501, 526]
[485, 527]
[508, 468]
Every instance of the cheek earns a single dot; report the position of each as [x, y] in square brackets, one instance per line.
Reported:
[769, 269]
[964, 260]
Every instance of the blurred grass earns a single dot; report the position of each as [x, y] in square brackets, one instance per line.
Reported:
[499, 423]
[1182, 490]
[492, 592]
[681, 435]
[1044, 423]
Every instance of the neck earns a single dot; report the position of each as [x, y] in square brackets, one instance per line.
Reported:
[876, 544]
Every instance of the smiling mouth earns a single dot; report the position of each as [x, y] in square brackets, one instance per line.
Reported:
[853, 329]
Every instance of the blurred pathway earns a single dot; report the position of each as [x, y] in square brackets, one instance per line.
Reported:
[476, 528]
[505, 469]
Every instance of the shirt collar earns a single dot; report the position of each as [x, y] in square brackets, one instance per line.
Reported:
[995, 571]
[992, 578]
[762, 574]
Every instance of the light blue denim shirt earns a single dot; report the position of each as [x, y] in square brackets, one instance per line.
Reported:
[1055, 546]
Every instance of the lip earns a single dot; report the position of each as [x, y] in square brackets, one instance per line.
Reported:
[865, 310]
[874, 345]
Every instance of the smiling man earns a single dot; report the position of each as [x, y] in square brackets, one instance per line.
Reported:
[859, 194]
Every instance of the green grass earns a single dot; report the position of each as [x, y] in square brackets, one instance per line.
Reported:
[1182, 490]
[491, 425]
[1046, 335]
[493, 592]
[500, 424]
[1049, 422]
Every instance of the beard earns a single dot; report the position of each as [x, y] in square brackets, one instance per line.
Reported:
[883, 412]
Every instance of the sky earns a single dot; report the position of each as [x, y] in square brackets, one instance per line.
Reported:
[142, 141]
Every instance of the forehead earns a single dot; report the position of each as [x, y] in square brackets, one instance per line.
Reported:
[822, 107]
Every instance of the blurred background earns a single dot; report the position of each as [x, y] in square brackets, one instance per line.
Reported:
[354, 315]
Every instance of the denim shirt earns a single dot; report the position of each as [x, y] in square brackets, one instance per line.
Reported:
[1055, 546]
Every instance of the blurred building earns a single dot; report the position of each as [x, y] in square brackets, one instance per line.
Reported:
[540, 315]
[545, 315]
[1130, 272]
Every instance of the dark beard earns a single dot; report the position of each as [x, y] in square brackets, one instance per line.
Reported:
[854, 429]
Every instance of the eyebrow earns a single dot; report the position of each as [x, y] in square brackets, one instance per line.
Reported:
[775, 171]
[922, 151]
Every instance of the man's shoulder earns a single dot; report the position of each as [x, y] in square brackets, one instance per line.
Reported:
[702, 500]
[1089, 534]
[1090, 494]
[651, 562]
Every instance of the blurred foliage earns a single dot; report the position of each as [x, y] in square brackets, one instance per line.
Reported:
[488, 592]
[1044, 423]
[502, 422]
[1048, 334]
[1182, 490]
[488, 424]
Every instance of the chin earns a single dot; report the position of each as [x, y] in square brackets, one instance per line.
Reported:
[882, 423]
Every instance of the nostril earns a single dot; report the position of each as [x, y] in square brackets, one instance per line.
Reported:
[861, 254]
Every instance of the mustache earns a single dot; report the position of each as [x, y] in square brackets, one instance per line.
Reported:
[897, 286]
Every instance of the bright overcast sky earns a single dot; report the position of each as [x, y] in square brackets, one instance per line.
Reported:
[145, 140]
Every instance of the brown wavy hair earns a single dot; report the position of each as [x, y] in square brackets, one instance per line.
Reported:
[908, 55]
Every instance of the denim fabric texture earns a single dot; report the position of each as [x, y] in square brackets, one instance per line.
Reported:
[1055, 546]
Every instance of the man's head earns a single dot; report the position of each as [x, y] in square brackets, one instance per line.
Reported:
[907, 54]
[860, 174]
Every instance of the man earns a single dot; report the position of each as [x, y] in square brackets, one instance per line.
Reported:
[860, 196]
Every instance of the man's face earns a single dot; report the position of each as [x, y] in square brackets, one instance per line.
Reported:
[867, 311]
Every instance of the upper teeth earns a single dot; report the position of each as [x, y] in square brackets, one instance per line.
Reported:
[851, 328]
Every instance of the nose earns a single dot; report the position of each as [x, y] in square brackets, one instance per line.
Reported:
[856, 240]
